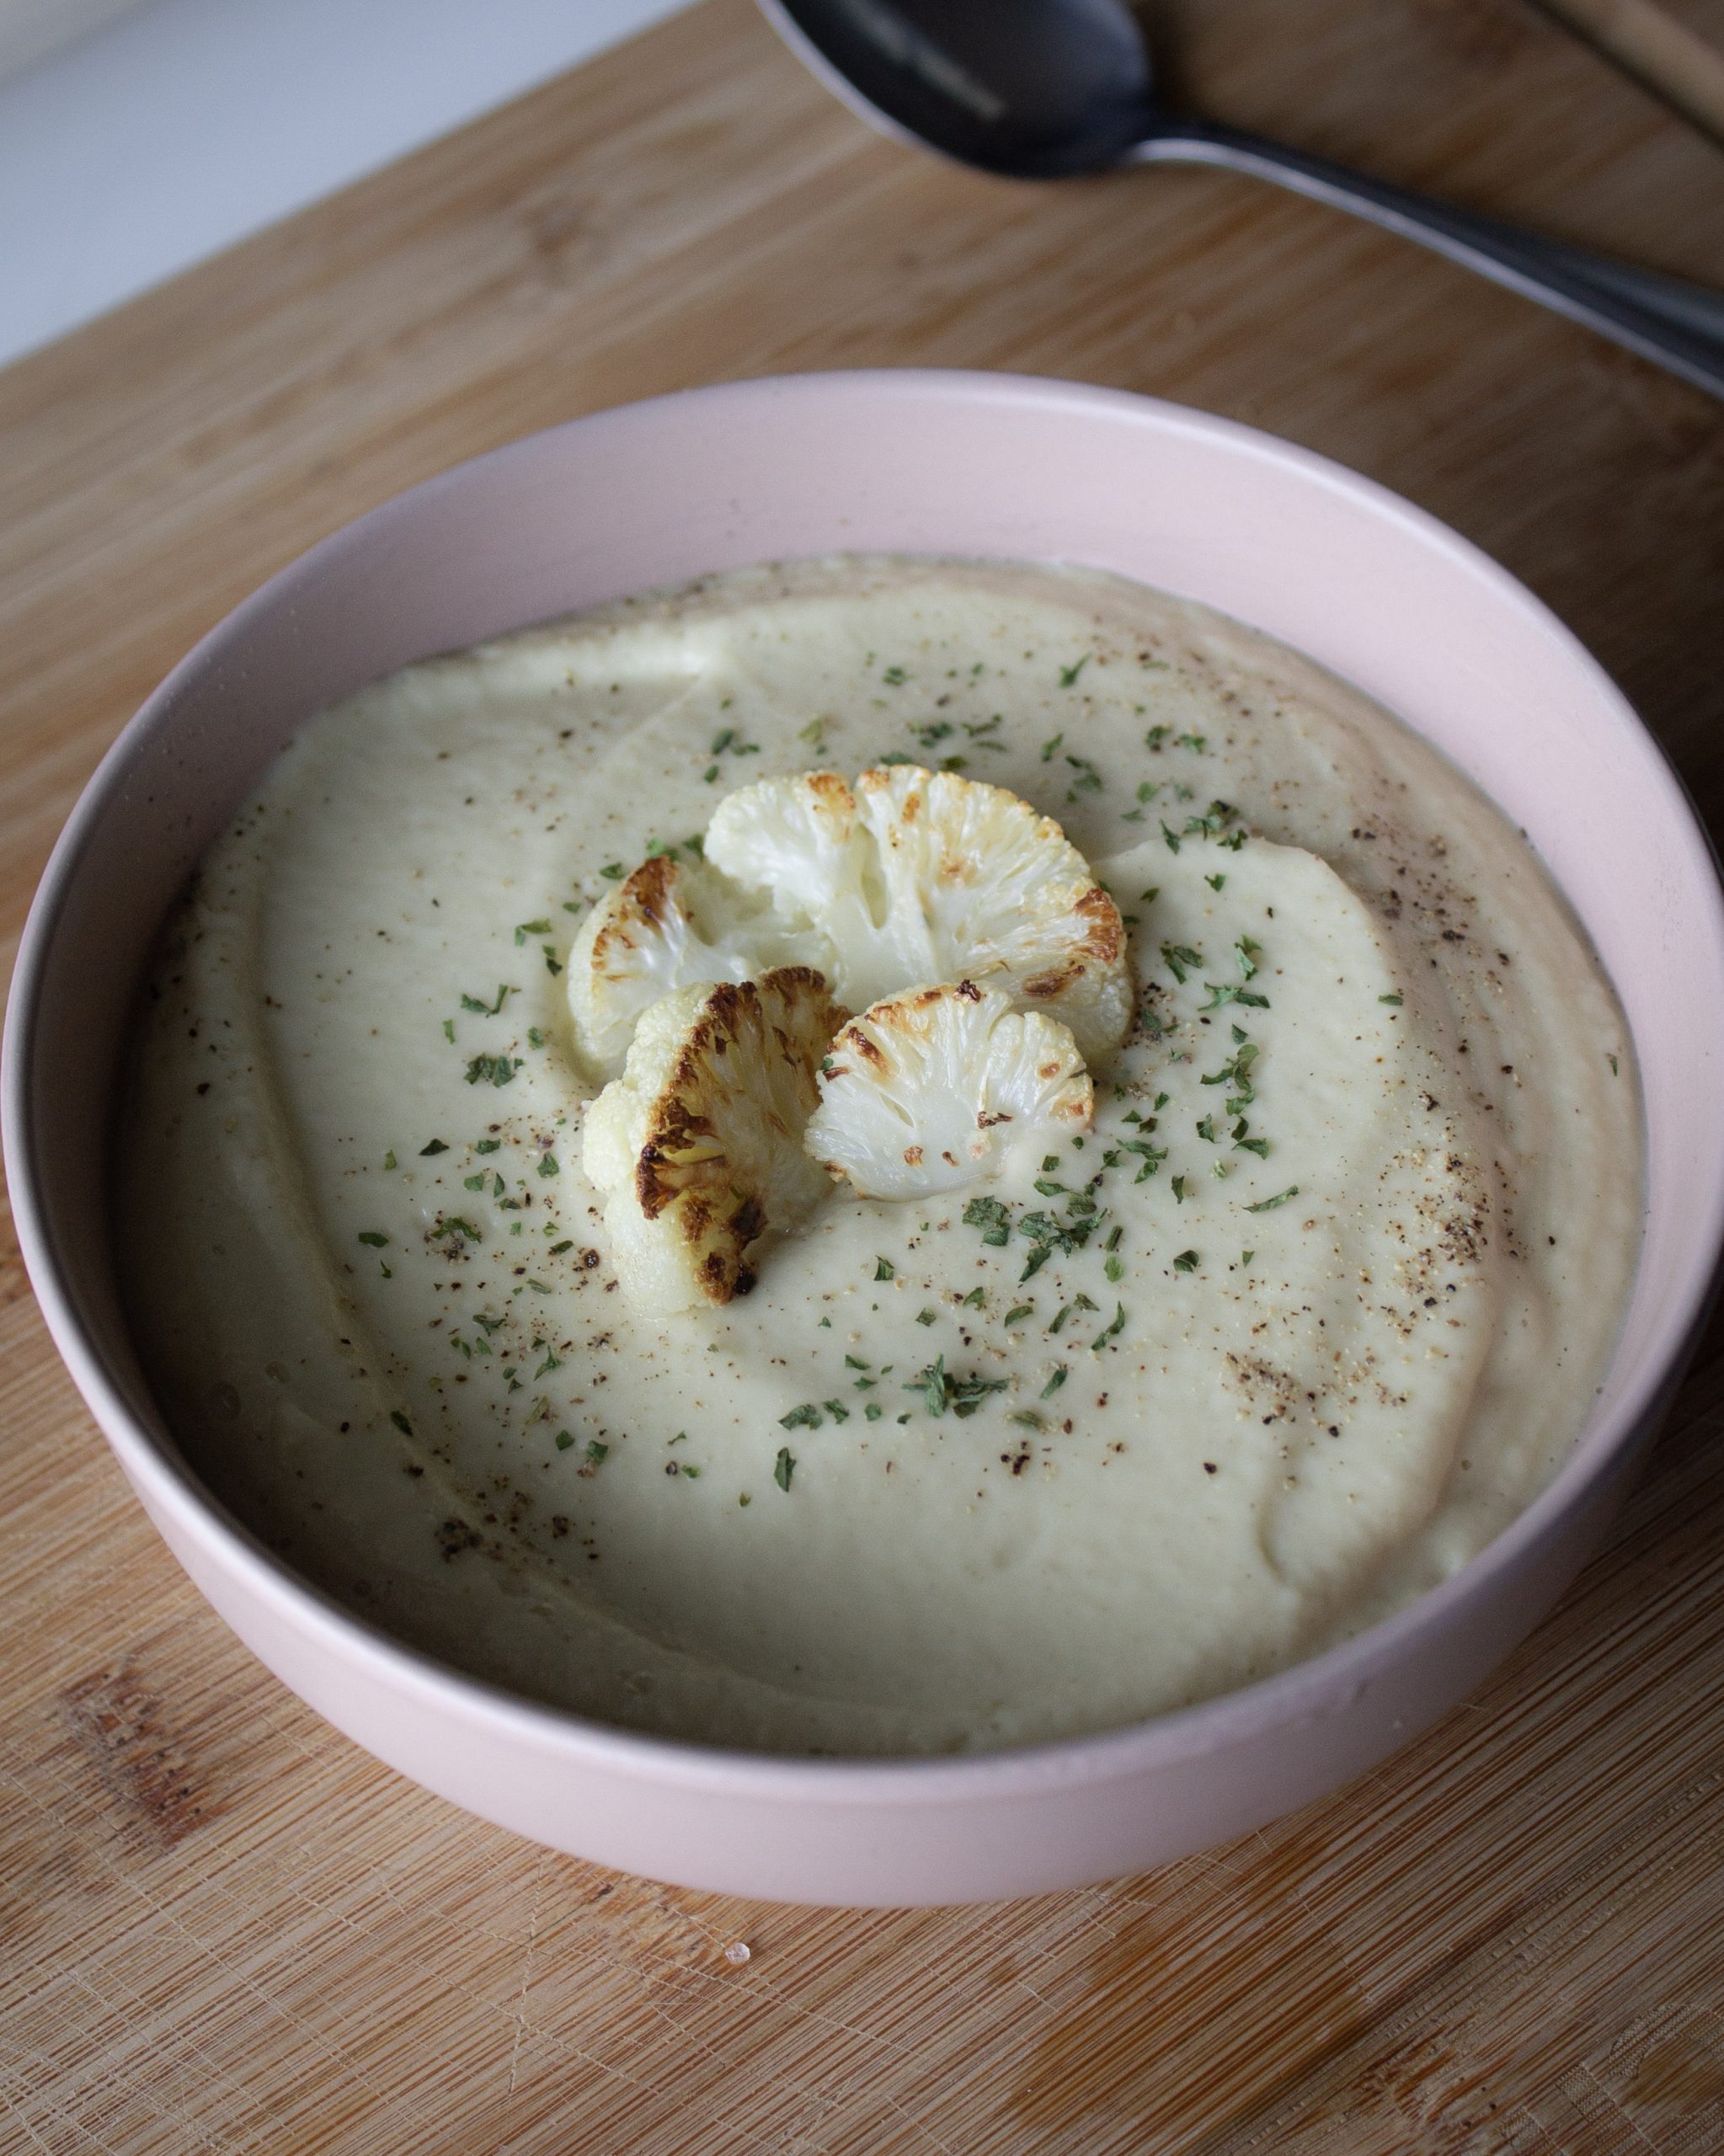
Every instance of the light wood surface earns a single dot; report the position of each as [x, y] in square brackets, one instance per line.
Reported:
[222, 1927]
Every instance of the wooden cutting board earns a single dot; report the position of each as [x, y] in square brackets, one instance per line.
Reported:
[222, 1927]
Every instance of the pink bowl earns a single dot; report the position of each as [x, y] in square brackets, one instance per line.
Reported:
[918, 462]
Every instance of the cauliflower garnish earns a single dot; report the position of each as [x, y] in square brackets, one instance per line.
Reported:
[696, 1149]
[940, 1087]
[923, 876]
[670, 924]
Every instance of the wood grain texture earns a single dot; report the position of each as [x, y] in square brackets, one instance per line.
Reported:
[223, 1929]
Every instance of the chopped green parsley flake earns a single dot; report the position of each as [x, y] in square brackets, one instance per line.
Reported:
[1151, 1156]
[1116, 1324]
[1068, 674]
[373, 1238]
[491, 1069]
[1056, 1323]
[941, 1390]
[883, 1269]
[1268, 1204]
[1395, 999]
[784, 1467]
[1230, 992]
[805, 1417]
[401, 1422]
[1018, 1312]
[1054, 1382]
[990, 1216]
[1213, 822]
[613, 872]
[1186, 1261]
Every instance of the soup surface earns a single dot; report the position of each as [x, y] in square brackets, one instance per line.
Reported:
[1257, 1377]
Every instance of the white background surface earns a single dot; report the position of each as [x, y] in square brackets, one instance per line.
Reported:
[187, 124]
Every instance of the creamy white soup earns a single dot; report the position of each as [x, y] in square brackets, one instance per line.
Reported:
[1312, 1307]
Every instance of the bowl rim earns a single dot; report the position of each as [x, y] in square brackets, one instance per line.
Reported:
[1306, 1691]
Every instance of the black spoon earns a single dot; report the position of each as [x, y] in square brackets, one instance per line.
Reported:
[1040, 90]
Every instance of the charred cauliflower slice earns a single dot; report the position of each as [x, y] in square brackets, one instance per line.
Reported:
[696, 1149]
[923, 876]
[670, 925]
[940, 1087]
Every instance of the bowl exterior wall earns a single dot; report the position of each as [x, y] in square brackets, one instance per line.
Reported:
[864, 1842]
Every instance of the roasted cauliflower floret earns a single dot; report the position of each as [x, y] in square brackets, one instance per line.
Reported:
[696, 1149]
[668, 926]
[940, 1087]
[923, 876]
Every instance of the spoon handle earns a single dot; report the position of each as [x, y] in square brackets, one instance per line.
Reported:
[1680, 326]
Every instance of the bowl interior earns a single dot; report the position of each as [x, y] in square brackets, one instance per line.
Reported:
[921, 463]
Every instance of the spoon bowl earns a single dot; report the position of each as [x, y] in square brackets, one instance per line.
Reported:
[1067, 91]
